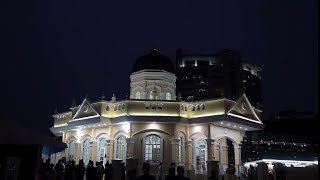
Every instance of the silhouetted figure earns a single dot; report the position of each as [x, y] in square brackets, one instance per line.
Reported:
[70, 171]
[59, 170]
[160, 171]
[213, 175]
[231, 169]
[80, 170]
[132, 174]
[146, 175]
[180, 171]
[198, 163]
[91, 171]
[251, 173]
[51, 173]
[99, 171]
[171, 175]
[41, 174]
[123, 172]
[107, 171]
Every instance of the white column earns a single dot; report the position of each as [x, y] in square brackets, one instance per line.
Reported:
[175, 149]
[209, 149]
[109, 150]
[237, 153]
[93, 146]
[77, 152]
[144, 95]
[224, 154]
[216, 152]
[188, 155]
[130, 147]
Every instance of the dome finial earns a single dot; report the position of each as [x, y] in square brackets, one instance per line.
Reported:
[179, 96]
[153, 50]
[113, 98]
[73, 104]
[55, 111]
[102, 96]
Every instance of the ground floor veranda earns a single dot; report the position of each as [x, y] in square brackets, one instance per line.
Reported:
[191, 146]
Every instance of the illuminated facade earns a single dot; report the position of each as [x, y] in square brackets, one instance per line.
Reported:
[153, 125]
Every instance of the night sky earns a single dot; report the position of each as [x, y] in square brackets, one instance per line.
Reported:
[54, 51]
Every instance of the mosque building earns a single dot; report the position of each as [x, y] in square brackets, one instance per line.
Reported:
[154, 125]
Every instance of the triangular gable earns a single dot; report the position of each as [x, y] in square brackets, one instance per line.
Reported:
[85, 110]
[243, 109]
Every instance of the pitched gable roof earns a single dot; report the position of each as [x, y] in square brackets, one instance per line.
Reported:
[243, 109]
[85, 110]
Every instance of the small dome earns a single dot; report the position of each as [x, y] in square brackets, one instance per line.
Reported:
[153, 60]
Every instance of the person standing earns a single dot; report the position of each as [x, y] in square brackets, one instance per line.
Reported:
[180, 176]
[171, 175]
[99, 169]
[80, 170]
[91, 171]
[146, 175]
[213, 175]
[59, 170]
[107, 171]
[160, 171]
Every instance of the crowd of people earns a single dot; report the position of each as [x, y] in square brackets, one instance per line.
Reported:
[70, 171]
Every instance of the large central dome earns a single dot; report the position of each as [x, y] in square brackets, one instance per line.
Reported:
[153, 60]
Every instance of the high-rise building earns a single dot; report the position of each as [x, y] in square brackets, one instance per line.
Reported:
[217, 75]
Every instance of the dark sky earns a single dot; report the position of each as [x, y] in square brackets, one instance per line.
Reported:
[54, 51]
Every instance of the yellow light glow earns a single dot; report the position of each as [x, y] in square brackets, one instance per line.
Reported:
[256, 121]
[89, 117]
[126, 126]
[207, 114]
[152, 114]
[59, 125]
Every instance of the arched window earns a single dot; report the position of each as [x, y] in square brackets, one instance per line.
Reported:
[168, 96]
[151, 96]
[101, 148]
[181, 150]
[71, 150]
[107, 107]
[138, 95]
[121, 147]
[153, 149]
[86, 151]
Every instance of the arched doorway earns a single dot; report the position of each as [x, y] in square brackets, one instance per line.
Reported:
[224, 152]
[231, 158]
[102, 142]
[199, 155]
